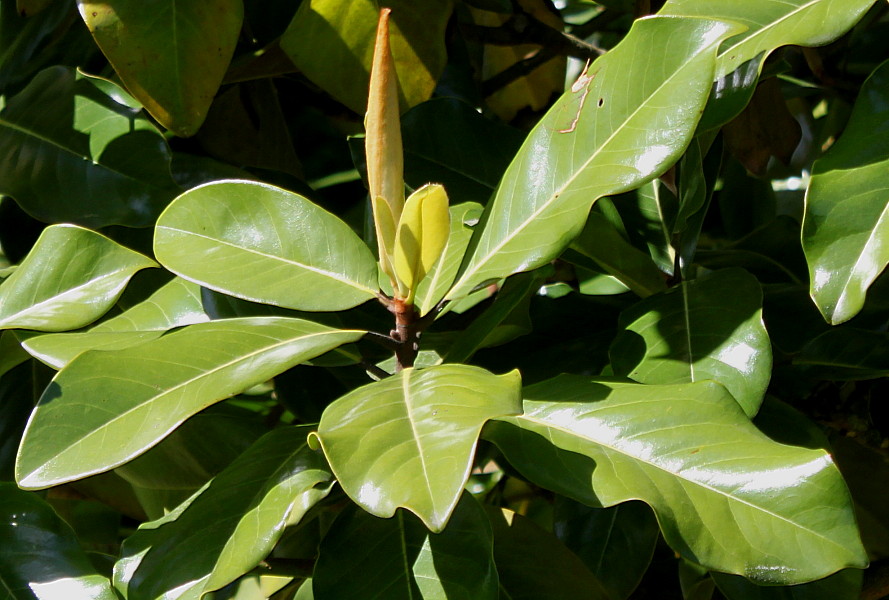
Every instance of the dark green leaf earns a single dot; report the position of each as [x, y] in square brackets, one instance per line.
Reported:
[77, 149]
[616, 544]
[847, 353]
[363, 556]
[534, 565]
[447, 141]
[845, 585]
[40, 558]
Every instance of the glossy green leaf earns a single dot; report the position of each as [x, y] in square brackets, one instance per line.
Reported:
[423, 232]
[623, 123]
[363, 556]
[707, 328]
[40, 558]
[347, 33]
[77, 149]
[175, 304]
[408, 440]
[438, 280]
[845, 585]
[847, 353]
[601, 242]
[846, 224]
[769, 25]
[231, 525]
[534, 565]
[690, 452]
[447, 141]
[262, 243]
[174, 61]
[616, 544]
[70, 432]
[70, 278]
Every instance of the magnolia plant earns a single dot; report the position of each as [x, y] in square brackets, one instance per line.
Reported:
[260, 426]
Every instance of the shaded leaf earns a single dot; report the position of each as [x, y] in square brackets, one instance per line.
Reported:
[231, 525]
[707, 328]
[150, 389]
[616, 544]
[695, 581]
[347, 34]
[691, 453]
[17, 398]
[176, 304]
[846, 224]
[40, 558]
[608, 134]
[448, 142]
[262, 243]
[174, 60]
[845, 585]
[246, 126]
[534, 565]
[601, 242]
[408, 440]
[70, 278]
[190, 456]
[77, 149]
[846, 354]
[363, 556]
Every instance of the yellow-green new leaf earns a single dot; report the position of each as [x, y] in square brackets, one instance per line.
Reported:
[422, 235]
[384, 223]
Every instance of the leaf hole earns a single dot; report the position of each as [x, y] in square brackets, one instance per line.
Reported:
[601, 101]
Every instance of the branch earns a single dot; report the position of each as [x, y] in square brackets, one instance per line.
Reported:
[522, 28]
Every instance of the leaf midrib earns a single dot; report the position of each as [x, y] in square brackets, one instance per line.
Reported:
[322, 272]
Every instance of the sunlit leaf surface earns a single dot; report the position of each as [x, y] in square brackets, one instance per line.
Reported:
[725, 495]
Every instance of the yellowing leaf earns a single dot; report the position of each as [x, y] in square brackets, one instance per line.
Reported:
[422, 235]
